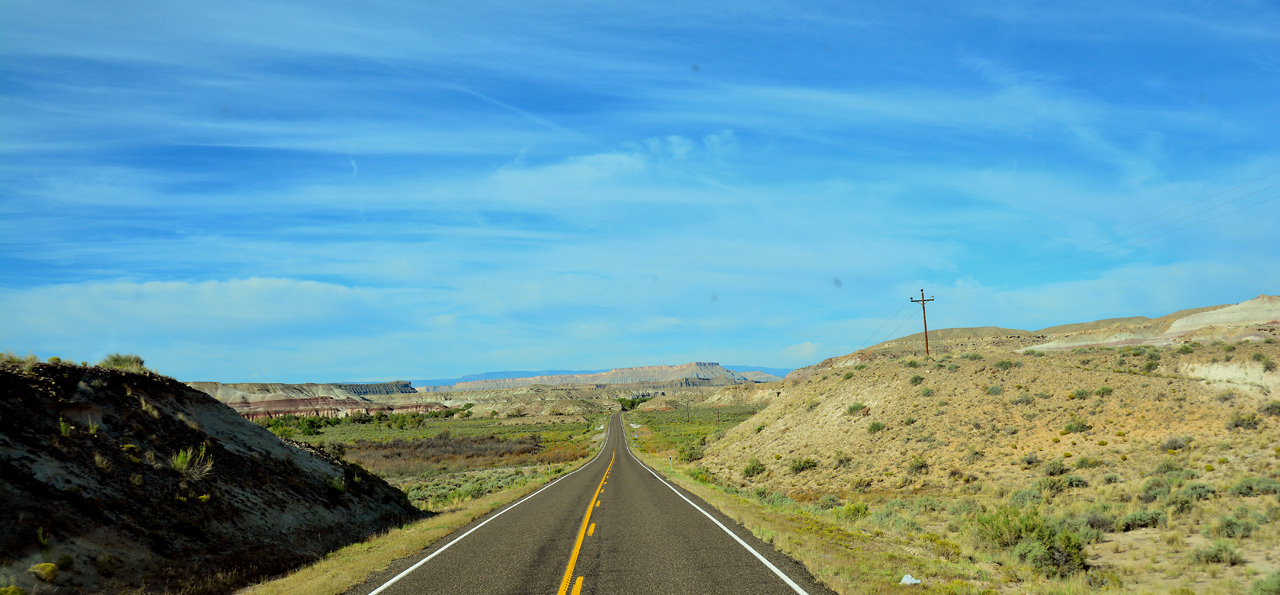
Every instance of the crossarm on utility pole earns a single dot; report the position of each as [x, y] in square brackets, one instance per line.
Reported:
[923, 315]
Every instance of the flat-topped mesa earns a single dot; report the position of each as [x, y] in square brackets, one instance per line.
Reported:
[703, 373]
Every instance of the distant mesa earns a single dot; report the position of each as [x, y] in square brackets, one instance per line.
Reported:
[258, 400]
[698, 373]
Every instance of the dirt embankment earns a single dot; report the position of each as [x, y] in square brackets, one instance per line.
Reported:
[117, 481]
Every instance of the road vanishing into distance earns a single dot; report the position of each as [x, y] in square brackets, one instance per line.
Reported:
[612, 526]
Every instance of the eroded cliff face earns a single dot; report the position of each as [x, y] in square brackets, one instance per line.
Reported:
[257, 400]
[125, 481]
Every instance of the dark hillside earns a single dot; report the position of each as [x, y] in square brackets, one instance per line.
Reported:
[118, 481]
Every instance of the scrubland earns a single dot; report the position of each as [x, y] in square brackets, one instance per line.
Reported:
[1130, 469]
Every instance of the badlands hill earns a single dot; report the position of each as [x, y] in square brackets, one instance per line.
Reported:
[1112, 429]
[120, 482]
[255, 400]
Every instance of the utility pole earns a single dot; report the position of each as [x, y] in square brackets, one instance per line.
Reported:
[922, 301]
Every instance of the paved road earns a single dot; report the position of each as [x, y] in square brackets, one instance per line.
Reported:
[613, 526]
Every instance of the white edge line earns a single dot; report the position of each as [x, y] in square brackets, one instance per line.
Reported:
[735, 537]
[500, 513]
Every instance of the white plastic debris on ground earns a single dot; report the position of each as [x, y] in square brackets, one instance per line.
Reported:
[909, 580]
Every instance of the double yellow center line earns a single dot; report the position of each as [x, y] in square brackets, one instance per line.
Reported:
[582, 534]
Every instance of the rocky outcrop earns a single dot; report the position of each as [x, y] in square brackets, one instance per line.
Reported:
[136, 482]
[257, 400]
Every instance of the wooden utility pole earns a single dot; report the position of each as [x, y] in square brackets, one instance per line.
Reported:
[922, 301]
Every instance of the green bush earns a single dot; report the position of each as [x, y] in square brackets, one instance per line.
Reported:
[1140, 519]
[853, 511]
[1088, 463]
[1271, 408]
[1198, 491]
[848, 375]
[1103, 391]
[1267, 586]
[802, 465]
[994, 390]
[1230, 526]
[1051, 549]
[754, 467]
[1003, 364]
[918, 465]
[854, 408]
[1255, 486]
[1220, 552]
[1077, 426]
[1025, 498]
[1154, 489]
[1055, 467]
[1247, 421]
[691, 450]
[875, 427]
[926, 391]
[1185, 349]
[124, 361]
[1023, 399]
[1175, 443]
[916, 380]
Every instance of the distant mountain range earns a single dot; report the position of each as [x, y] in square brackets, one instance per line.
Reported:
[747, 371]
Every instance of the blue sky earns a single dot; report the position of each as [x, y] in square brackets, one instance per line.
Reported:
[312, 191]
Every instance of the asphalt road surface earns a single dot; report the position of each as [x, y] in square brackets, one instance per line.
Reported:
[612, 526]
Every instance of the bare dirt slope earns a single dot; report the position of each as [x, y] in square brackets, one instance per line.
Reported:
[119, 481]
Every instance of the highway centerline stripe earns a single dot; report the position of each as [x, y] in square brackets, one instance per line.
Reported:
[735, 537]
[406, 572]
[582, 533]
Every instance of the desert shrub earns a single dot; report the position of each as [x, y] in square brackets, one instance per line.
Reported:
[700, 474]
[918, 465]
[1220, 552]
[853, 511]
[854, 408]
[1023, 399]
[827, 502]
[842, 459]
[1057, 484]
[848, 375]
[1226, 396]
[1180, 502]
[1103, 391]
[911, 363]
[889, 518]
[1055, 467]
[1233, 527]
[1031, 459]
[754, 467]
[1110, 479]
[802, 465]
[1024, 498]
[875, 427]
[1154, 489]
[1077, 426]
[916, 380]
[1255, 486]
[1247, 421]
[1140, 519]
[926, 391]
[192, 465]
[691, 450]
[1267, 586]
[1271, 408]
[1050, 549]
[1198, 491]
[1185, 349]
[1088, 463]
[1003, 364]
[1175, 443]
[124, 361]
[1080, 393]
[994, 390]
[952, 367]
